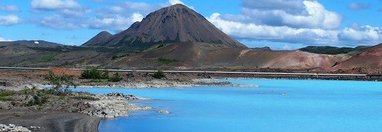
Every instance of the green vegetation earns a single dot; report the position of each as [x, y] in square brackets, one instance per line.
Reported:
[159, 74]
[166, 61]
[98, 75]
[48, 58]
[36, 97]
[5, 95]
[331, 50]
[83, 97]
[115, 57]
[94, 73]
[115, 78]
[60, 83]
[31, 97]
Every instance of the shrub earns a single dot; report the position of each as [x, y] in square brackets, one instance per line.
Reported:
[115, 78]
[60, 82]
[166, 61]
[159, 74]
[94, 73]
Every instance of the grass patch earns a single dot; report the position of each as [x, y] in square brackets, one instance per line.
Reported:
[115, 57]
[159, 74]
[166, 61]
[5, 95]
[86, 98]
[97, 75]
[48, 58]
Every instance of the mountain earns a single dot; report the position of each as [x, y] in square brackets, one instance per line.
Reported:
[191, 55]
[367, 61]
[176, 23]
[99, 39]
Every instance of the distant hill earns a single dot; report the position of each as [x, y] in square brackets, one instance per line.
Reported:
[204, 56]
[31, 43]
[99, 39]
[331, 50]
[367, 61]
[177, 37]
[172, 24]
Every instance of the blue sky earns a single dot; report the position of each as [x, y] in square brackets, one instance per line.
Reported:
[278, 24]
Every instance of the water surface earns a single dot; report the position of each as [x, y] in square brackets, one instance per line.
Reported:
[275, 105]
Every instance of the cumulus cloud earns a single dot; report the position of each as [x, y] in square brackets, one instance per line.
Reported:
[362, 34]
[272, 33]
[9, 8]
[292, 13]
[54, 4]
[116, 22]
[3, 39]
[174, 2]
[9, 20]
[293, 22]
[59, 22]
[358, 6]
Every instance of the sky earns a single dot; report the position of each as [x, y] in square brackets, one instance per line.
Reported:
[279, 24]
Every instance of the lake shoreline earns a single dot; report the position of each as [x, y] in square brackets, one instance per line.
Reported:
[40, 110]
[11, 81]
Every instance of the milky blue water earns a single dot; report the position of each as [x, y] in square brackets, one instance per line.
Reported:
[274, 106]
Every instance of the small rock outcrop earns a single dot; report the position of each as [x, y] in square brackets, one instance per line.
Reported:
[112, 105]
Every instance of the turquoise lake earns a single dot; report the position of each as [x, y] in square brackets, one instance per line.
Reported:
[276, 105]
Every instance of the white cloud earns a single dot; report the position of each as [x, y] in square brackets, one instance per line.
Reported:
[349, 36]
[294, 22]
[114, 17]
[9, 8]
[136, 17]
[115, 22]
[273, 33]
[361, 34]
[59, 22]
[174, 2]
[307, 14]
[54, 4]
[3, 39]
[9, 20]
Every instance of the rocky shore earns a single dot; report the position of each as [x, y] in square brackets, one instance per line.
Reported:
[112, 105]
[25, 103]
[14, 128]
[37, 108]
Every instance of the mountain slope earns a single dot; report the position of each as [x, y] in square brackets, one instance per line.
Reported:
[367, 61]
[332, 50]
[202, 55]
[99, 39]
[176, 23]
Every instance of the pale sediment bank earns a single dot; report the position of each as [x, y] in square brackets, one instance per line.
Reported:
[165, 84]
[50, 121]
[113, 105]
[75, 112]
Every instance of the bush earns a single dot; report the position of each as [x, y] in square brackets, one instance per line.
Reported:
[94, 73]
[60, 82]
[159, 74]
[115, 78]
[166, 61]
